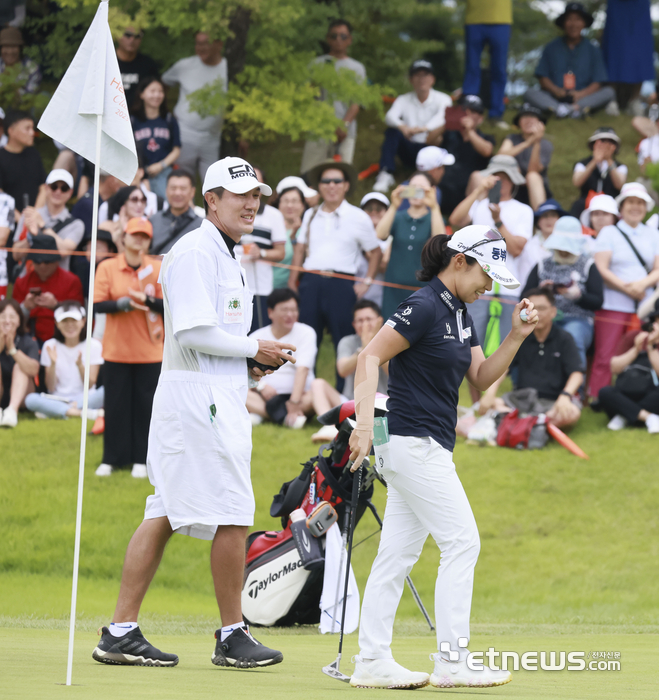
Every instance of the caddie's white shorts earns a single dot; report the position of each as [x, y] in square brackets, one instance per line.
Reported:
[200, 445]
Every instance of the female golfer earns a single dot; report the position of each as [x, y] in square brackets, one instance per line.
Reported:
[431, 345]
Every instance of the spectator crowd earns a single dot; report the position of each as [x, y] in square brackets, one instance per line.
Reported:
[318, 263]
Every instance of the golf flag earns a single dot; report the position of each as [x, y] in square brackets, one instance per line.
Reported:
[90, 87]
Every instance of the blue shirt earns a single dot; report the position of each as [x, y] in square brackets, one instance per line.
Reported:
[155, 138]
[424, 380]
[585, 60]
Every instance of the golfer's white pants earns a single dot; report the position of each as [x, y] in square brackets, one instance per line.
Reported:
[425, 496]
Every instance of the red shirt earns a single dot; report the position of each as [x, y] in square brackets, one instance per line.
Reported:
[63, 285]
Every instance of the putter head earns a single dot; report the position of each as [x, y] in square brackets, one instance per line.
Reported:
[333, 672]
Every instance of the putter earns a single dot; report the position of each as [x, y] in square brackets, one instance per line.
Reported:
[333, 670]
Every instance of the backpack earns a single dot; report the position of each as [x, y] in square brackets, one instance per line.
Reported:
[528, 432]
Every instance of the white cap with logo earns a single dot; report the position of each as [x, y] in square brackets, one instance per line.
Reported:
[235, 175]
[488, 247]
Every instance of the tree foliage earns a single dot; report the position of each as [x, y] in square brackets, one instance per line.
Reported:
[277, 91]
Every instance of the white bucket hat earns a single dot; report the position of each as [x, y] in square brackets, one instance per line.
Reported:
[600, 202]
[488, 247]
[634, 189]
[235, 175]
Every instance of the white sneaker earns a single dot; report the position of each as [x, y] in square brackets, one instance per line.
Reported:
[326, 434]
[563, 110]
[652, 423]
[456, 674]
[616, 423]
[104, 470]
[612, 109]
[139, 471]
[40, 416]
[9, 418]
[93, 413]
[255, 418]
[385, 673]
[384, 181]
[298, 423]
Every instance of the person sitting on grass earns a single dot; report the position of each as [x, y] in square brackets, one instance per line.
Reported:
[19, 362]
[63, 356]
[634, 399]
[532, 152]
[284, 397]
[367, 321]
[547, 361]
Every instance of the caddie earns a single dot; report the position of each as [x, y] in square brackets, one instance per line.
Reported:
[200, 434]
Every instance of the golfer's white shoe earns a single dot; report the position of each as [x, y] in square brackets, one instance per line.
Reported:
[385, 673]
[456, 674]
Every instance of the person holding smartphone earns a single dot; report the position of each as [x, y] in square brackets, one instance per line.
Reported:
[409, 229]
[493, 203]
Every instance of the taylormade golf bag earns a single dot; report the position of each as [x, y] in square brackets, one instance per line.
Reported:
[283, 572]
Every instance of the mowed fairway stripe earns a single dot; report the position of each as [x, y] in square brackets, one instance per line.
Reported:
[34, 666]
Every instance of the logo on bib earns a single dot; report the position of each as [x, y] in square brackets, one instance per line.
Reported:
[234, 303]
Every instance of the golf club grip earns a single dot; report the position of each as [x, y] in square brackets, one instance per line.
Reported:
[356, 486]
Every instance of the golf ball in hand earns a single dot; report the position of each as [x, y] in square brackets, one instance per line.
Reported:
[524, 315]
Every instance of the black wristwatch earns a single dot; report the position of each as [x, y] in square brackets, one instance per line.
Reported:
[566, 393]
[498, 224]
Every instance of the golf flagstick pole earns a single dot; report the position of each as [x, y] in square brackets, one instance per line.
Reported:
[85, 401]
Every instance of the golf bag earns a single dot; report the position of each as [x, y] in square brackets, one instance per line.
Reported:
[283, 573]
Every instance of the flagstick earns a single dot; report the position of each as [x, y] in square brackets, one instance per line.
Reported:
[85, 399]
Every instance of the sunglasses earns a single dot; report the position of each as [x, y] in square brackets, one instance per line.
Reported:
[61, 186]
[331, 181]
[336, 35]
[490, 236]
[131, 35]
[137, 200]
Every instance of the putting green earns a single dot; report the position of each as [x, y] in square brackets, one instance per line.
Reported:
[34, 666]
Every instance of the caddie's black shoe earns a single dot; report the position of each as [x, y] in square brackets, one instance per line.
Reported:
[130, 650]
[241, 650]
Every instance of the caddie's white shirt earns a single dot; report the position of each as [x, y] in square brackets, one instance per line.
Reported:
[203, 285]
[624, 263]
[191, 74]
[517, 218]
[335, 240]
[269, 228]
[649, 148]
[408, 110]
[7, 207]
[304, 339]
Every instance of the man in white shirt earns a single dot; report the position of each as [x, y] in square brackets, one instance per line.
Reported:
[339, 40]
[265, 245]
[285, 396]
[514, 221]
[200, 136]
[53, 219]
[415, 120]
[200, 434]
[331, 238]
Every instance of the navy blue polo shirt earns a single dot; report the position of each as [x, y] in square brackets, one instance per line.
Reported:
[424, 380]
[585, 60]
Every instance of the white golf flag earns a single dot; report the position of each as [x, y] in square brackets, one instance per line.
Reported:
[92, 86]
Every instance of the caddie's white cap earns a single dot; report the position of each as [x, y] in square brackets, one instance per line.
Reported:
[73, 311]
[235, 175]
[294, 181]
[432, 157]
[60, 175]
[382, 198]
[488, 247]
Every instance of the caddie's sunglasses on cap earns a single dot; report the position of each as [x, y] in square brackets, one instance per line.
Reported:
[490, 236]
[331, 181]
[339, 35]
[61, 186]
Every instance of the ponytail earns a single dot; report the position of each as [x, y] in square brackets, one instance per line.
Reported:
[436, 257]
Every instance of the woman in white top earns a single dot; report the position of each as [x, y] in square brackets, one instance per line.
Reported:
[63, 357]
[627, 256]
